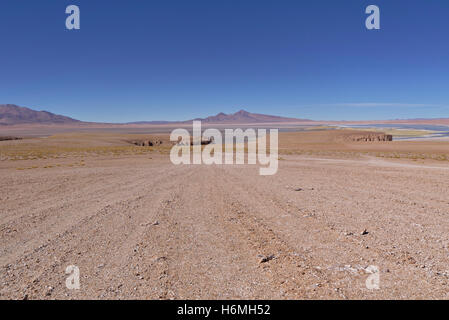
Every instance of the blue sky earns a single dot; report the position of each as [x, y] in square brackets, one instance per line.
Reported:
[175, 60]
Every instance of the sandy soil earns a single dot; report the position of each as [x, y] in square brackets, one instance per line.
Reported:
[139, 227]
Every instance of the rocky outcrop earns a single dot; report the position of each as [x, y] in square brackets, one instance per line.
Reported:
[147, 143]
[365, 137]
[204, 141]
[4, 138]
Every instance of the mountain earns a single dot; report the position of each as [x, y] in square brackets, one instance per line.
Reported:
[12, 114]
[151, 122]
[243, 116]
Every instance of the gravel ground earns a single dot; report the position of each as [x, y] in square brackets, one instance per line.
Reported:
[142, 228]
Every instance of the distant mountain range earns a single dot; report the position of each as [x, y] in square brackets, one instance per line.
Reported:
[243, 116]
[12, 114]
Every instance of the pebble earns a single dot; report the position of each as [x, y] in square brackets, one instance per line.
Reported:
[266, 258]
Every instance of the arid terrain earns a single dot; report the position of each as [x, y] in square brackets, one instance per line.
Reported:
[139, 227]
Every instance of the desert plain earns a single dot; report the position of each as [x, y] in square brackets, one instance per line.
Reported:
[139, 227]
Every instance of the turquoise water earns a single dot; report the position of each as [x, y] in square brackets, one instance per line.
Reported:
[442, 131]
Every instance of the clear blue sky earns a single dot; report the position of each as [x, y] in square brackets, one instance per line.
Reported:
[173, 60]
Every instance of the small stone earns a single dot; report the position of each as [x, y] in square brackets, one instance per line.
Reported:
[49, 291]
[364, 232]
[266, 258]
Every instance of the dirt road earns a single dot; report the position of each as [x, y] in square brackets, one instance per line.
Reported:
[143, 228]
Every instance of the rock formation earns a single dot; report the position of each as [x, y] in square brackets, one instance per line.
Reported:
[369, 137]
